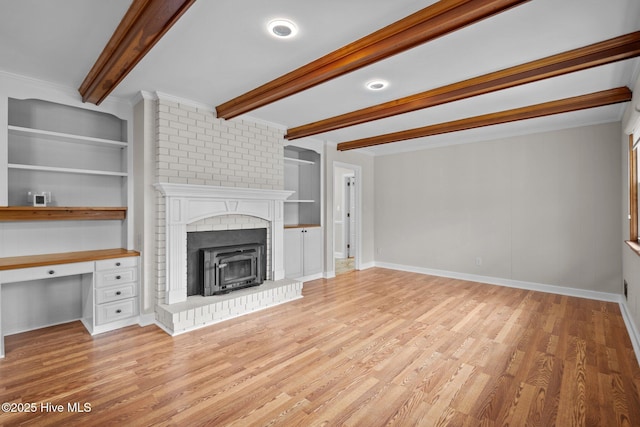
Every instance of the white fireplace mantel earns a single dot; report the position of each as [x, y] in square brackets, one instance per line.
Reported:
[187, 203]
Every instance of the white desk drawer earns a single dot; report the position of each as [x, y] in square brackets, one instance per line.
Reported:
[110, 264]
[46, 272]
[115, 293]
[115, 277]
[118, 310]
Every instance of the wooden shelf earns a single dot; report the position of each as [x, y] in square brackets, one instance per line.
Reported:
[28, 261]
[57, 213]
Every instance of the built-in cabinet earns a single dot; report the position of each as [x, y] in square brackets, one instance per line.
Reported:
[115, 293]
[106, 300]
[303, 252]
[76, 158]
[303, 234]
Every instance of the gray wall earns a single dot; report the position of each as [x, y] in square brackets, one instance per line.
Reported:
[542, 208]
[630, 259]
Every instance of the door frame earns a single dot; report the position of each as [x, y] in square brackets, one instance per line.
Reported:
[357, 172]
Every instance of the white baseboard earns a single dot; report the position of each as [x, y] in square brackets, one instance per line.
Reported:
[367, 265]
[339, 255]
[310, 277]
[329, 274]
[532, 286]
[634, 334]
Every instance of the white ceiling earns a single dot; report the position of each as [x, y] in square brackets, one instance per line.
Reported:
[220, 49]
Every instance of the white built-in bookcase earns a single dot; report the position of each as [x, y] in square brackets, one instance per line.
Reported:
[52, 142]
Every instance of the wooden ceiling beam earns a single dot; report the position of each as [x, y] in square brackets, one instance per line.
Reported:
[596, 99]
[443, 17]
[612, 50]
[144, 24]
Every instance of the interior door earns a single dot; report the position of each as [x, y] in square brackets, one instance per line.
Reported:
[351, 217]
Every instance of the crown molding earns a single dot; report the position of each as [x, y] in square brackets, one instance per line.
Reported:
[258, 121]
[55, 90]
[183, 101]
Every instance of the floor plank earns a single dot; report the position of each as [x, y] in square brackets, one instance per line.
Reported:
[368, 348]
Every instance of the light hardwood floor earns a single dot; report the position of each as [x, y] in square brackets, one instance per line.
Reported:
[370, 348]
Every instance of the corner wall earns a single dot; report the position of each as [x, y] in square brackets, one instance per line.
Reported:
[630, 259]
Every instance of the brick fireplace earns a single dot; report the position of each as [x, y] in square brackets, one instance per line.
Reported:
[202, 207]
[214, 174]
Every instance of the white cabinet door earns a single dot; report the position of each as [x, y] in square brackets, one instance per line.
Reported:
[293, 252]
[302, 251]
[312, 252]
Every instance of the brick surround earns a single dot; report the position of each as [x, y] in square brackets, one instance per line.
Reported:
[194, 147]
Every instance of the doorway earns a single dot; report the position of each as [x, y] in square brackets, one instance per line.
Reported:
[346, 217]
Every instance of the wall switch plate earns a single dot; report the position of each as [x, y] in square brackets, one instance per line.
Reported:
[478, 260]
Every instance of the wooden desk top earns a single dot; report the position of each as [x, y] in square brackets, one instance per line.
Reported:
[11, 263]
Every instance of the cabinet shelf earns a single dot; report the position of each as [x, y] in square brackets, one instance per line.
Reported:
[298, 161]
[299, 201]
[65, 170]
[65, 137]
[59, 213]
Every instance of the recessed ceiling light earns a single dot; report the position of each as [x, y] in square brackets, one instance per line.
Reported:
[376, 84]
[282, 28]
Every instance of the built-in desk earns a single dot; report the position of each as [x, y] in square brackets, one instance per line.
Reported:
[109, 285]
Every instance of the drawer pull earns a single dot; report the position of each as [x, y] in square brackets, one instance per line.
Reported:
[118, 293]
[117, 264]
[118, 311]
[51, 272]
[118, 277]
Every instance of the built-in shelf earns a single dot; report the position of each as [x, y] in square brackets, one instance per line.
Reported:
[298, 161]
[66, 137]
[59, 213]
[65, 170]
[299, 201]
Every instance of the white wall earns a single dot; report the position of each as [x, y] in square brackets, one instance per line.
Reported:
[144, 156]
[542, 208]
